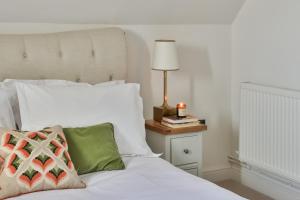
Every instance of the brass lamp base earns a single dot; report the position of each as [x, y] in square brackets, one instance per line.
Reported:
[160, 111]
[165, 110]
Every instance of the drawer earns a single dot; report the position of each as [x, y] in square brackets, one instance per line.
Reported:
[193, 171]
[185, 150]
[190, 168]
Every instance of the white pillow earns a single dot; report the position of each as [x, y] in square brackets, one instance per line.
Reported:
[10, 86]
[79, 106]
[6, 114]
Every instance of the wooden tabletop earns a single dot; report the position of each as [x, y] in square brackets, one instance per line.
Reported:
[159, 128]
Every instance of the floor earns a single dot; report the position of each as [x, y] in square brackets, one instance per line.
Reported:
[242, 190]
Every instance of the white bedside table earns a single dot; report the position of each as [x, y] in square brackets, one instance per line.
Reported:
[181, 146]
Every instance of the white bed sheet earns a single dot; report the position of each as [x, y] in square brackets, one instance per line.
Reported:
[143, 179]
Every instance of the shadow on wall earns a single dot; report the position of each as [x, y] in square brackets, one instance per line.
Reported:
[195, 72]
[204, 94]
[139, 70]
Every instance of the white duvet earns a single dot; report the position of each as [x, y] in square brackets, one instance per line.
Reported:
[143, 179]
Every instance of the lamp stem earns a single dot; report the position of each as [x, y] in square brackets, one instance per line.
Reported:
[165, 102]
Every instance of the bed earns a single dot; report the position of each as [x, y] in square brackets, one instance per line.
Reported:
[95, 56]
[144, 178]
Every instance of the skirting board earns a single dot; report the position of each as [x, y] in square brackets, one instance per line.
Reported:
[220, 175]
[266, 185]
[254, 180]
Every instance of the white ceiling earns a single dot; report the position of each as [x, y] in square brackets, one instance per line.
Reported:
[121, 11]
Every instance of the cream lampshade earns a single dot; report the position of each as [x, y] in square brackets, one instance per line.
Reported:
[165, 59]
[165, 56]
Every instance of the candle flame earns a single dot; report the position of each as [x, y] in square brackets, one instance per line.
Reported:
[181, 105]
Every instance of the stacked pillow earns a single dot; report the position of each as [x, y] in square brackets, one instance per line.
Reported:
[101, 123]
[80, 106]
[9, 93]
[9, 86]
[6, 113]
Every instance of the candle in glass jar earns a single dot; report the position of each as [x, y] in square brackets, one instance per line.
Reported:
[181, 110]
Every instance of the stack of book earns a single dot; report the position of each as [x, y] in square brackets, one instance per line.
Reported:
[176, 122]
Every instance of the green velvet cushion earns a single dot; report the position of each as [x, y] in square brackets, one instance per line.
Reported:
[93, 148]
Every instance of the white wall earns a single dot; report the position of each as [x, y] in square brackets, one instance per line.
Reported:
[203, 80]
[265, 48]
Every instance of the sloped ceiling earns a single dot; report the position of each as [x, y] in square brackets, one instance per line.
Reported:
[121, 11]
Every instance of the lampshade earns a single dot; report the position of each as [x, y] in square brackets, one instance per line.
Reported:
[165, 56]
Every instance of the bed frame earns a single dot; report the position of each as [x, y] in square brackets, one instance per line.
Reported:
[87, 55]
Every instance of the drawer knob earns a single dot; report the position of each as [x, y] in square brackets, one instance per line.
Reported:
[186, 151]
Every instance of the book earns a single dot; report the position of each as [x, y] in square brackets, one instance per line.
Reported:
[182, 125]
[175, 120]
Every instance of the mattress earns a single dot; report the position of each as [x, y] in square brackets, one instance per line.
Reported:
[143, 179]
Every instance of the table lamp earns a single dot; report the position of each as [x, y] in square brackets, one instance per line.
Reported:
[164, 59]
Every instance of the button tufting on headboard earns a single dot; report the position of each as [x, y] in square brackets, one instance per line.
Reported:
[87, 55]
[24, 55]
[111, 77]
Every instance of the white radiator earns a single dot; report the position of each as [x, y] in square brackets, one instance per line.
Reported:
[270, 129]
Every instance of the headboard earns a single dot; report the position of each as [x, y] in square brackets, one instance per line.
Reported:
[88, 55]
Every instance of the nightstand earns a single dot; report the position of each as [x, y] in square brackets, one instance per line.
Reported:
[181, 146]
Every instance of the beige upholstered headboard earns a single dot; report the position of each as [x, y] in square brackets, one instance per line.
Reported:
[88, 56]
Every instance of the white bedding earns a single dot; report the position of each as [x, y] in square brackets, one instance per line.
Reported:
[143, 179]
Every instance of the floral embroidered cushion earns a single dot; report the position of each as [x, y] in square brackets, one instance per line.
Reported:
[35, 161]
